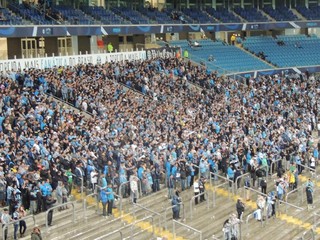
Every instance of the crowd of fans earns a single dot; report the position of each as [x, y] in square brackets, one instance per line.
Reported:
[164, 131]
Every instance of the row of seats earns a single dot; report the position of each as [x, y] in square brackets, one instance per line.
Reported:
[7, 18]
[104, 16]
[117, 15]
[286, 51]
[226, 58]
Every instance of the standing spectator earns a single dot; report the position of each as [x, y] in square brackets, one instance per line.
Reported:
[49, 203]
[36, 234]
[22, 223]
[309, 192]
[202, 189]
[196, 191]
[5, 219]
[110, 196]
[59, 195]
[15, 218]
[176, 200]
[240, 208]
[134, 187]
[104, 200]
[263, 185]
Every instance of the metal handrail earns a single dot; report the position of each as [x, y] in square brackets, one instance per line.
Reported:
[192, 200]
[309, 168]
[6, 225]
[214, 193]
[247, 221]
[312, 234]
[174, 222]
[58, 206]
[148, 210]
[224, 178]
[137, 221]
[281, 201]
[110, 234]
[273, 163]
[168, 208]
[121, 197]
[293, 191]
[199, 174]
[315, 217]
[240, 177]
[85, 203]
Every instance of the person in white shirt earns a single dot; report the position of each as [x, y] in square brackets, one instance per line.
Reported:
[196, 191]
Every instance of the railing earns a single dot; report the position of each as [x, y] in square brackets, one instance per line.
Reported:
[272, 166]
[58, 206]
[120, 192]
[316, 216]
[85, 204]
[192, 200]
[174, 222]
[313, 237]
[224, 178]
[199, 174]
[168, 208]
[110, 234]
[293, 191]
[148, 210]
[240, 177]
[141, 220]
[214, 192]
[6, 226]
[280, 201]
[247, 222]
[312, 170]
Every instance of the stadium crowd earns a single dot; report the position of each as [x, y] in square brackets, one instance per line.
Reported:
[163, 131]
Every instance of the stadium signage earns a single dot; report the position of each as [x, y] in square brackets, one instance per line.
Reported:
[49, 62]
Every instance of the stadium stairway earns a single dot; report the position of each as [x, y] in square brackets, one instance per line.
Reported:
[253, 55]
[295, 12]
[266, 15]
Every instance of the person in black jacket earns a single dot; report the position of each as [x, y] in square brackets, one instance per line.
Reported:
[240, 208]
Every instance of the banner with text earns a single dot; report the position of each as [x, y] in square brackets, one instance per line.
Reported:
[163, 52]
[49, 62]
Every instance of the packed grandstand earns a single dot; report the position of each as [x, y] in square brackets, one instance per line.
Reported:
[193, 136]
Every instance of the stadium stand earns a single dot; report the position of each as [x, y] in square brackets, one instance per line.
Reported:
[225, 57]
[250, 14]
[311, 13]
[133, 16]
[223, 15]
[157, 16]
[198, 16]
[7, 18]
[103, 15]
[31, 13]
[284, 51]
[71, 15]
[280, 13]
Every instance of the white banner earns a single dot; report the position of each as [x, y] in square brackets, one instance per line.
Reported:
[50, 62]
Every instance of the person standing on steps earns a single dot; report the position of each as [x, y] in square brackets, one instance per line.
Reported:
[309, 192]
[104, 201]
[110, 197]
[176, 201]
[196, 191]
[240, 208]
